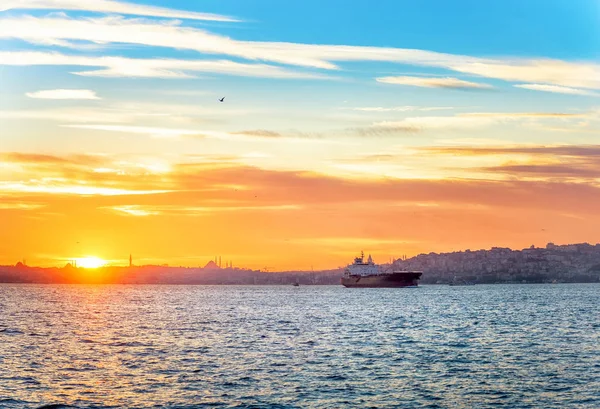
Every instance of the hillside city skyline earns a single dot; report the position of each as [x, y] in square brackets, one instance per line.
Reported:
[218, 261]
[553, 263]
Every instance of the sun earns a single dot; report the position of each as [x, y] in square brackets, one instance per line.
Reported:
[90, 262]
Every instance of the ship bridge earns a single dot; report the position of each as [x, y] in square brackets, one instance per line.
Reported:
[360, 267]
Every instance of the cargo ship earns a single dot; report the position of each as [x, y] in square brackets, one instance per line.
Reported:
[367, 274]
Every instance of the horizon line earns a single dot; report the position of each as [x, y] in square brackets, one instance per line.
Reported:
[269, 270]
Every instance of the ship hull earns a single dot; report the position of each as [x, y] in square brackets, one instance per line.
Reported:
[394, 280]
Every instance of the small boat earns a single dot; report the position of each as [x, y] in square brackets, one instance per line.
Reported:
[296, 285]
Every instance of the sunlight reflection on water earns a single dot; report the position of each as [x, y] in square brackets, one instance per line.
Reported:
[517, 346]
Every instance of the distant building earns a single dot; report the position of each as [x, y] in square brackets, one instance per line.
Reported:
[211, 265]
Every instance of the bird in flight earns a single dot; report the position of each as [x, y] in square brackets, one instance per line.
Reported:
[221, 100]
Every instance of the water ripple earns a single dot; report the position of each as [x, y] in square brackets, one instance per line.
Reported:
[519, 346]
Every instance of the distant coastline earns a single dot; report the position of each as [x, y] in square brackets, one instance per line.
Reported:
[572, 263]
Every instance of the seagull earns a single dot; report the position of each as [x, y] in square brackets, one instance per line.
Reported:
[221, 100]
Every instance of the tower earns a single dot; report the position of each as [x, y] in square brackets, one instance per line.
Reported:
[130, 261]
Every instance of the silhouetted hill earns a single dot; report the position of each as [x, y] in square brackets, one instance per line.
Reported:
[569, 263]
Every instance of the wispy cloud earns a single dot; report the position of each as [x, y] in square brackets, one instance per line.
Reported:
[437, 122]
[167, 132]
[529, 161]
[148, 68]
[433, 82]
[69, 188]
[20, 206]
[144, 130]
[578, 170]
[538, 71]
[517, 115]
[557, 89]
[38, 158]
[70, 114]
[63, 94]
[558, 150]
[259, 132]
[168, 34]
[173, 210]
[199, 189]
[462, 121]
[385, 129]
[110, 6]
[134, 210]
[130, 112]
[406, 108]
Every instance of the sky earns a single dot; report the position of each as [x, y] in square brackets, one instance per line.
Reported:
[393, 127]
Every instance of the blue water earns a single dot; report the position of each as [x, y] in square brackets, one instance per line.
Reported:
[501, 346]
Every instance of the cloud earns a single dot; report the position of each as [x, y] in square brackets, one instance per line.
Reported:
[109, 6]
[166, 132]
[550, 170]
[211, 189]
[540, 71]
[174, 210]
[558, 150]
[274, 206]
[530, 161]
[63, 94]
[36, 158]
[399, 109]
[144, 130]
[20, 206]
[132, 112]
[259, 132]
[168, 34]
[556, 89]
[385, 129]
[148, 68]
[436, 122]
[156, 132]
[69, 188]
[463, 121]
[516, 115]
[133, 210]
[151, 33]
[433, 82]
[71, 114]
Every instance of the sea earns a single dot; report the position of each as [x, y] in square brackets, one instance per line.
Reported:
[153, 346]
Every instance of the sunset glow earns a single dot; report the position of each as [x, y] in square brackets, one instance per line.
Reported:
[90, 262]
[408, 140]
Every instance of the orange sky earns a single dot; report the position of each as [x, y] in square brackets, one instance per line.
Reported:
[277, 219]
[115, 138]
